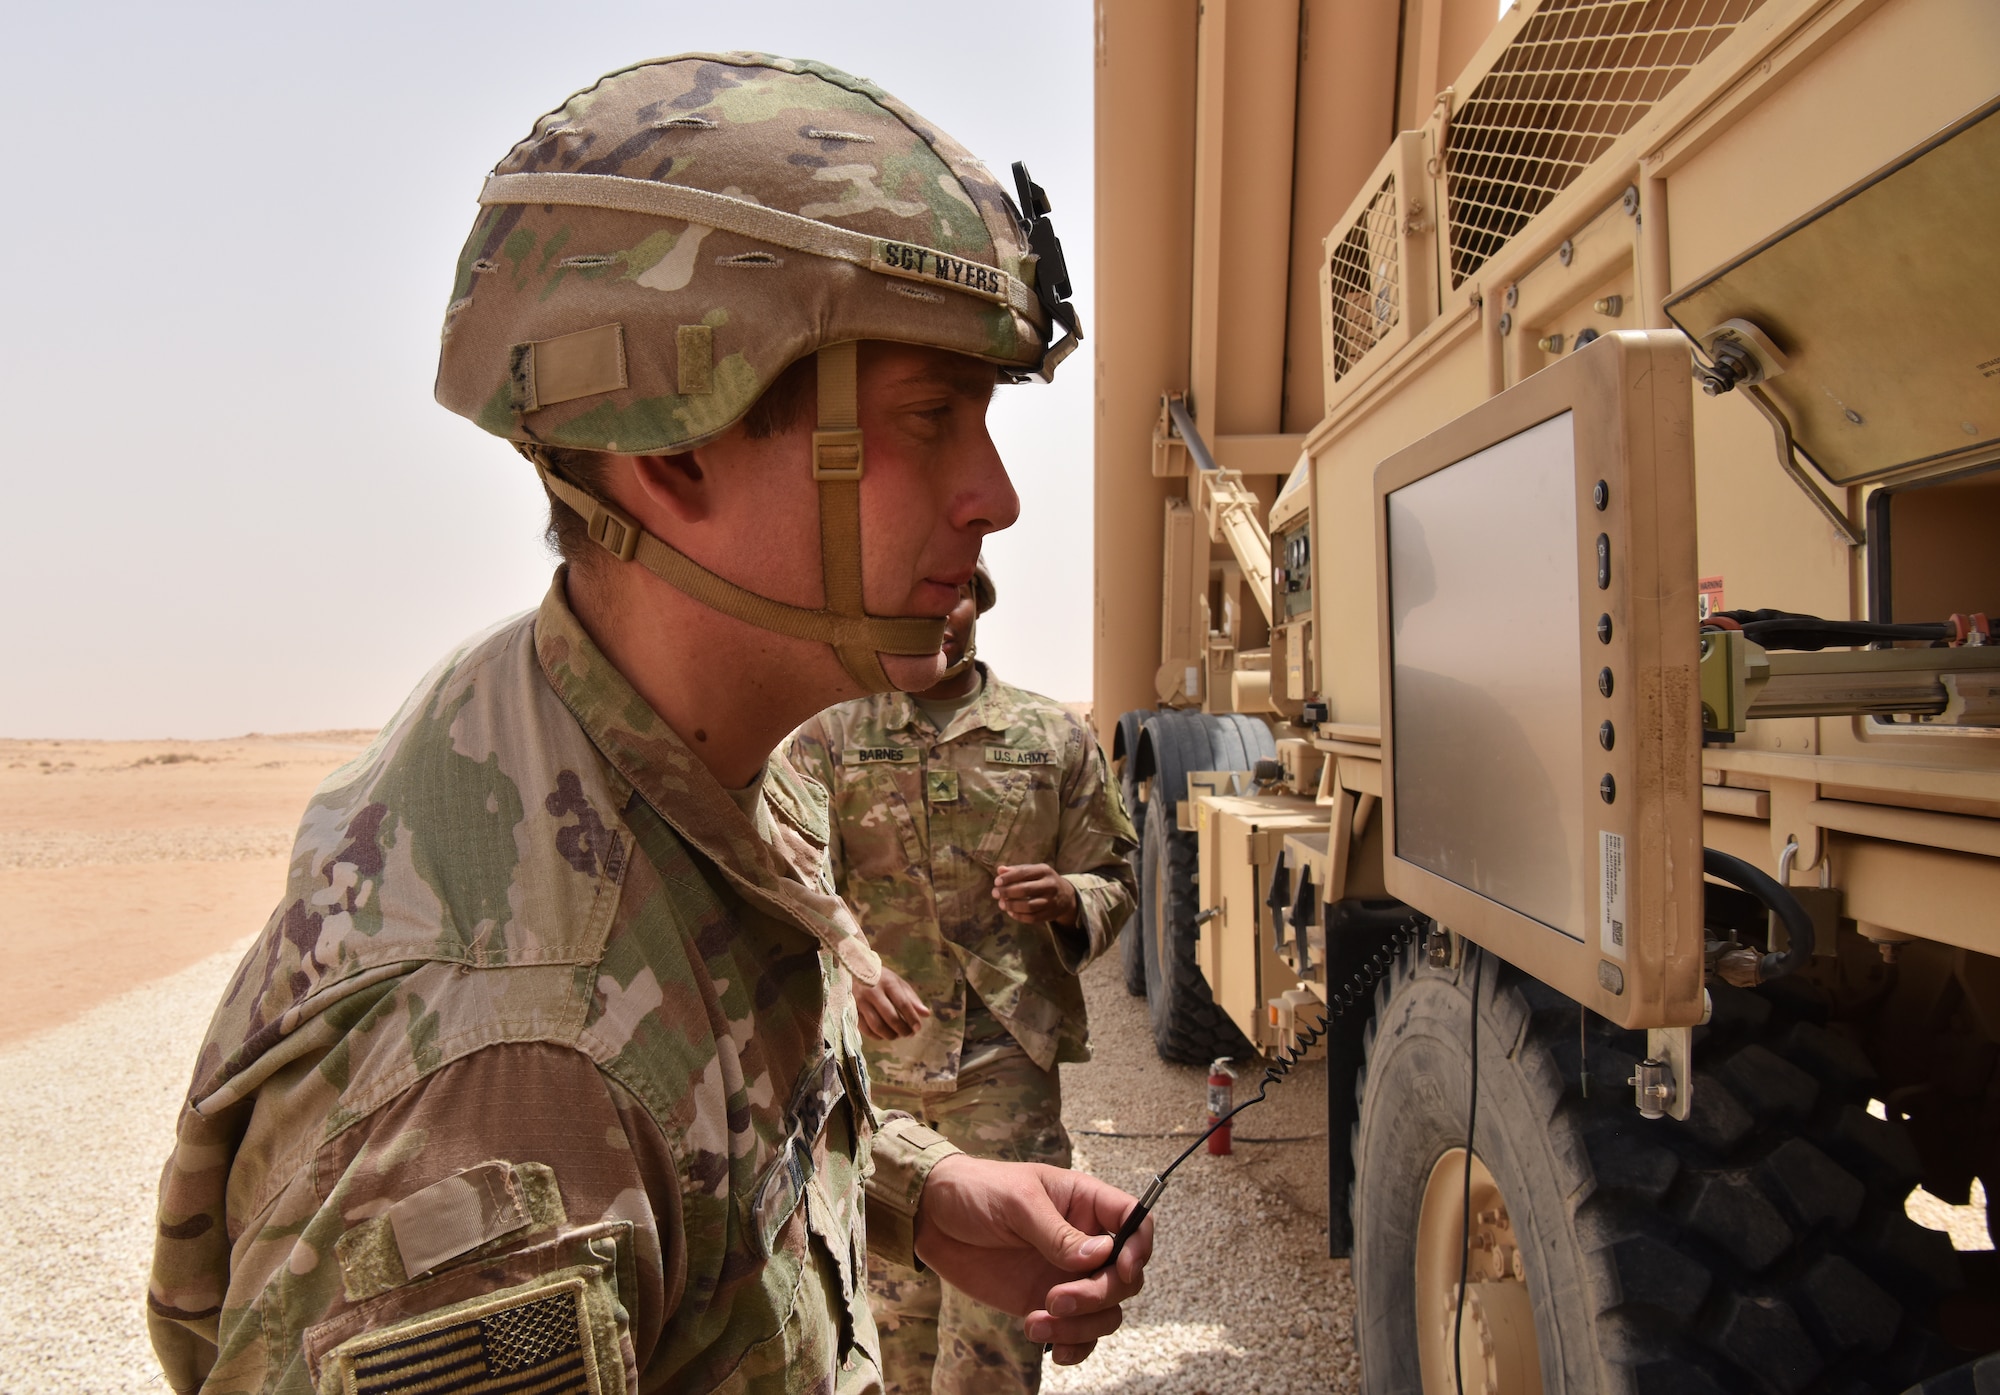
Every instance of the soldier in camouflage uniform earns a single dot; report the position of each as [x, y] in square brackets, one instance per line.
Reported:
[545, 1075]
[982, 847]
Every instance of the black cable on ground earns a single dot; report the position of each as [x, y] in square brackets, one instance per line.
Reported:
[1465, 1201]
[1357, 988]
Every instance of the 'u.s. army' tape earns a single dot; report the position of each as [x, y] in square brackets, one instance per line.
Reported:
[789, 230]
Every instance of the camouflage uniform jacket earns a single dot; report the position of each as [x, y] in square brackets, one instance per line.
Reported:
[548, 1038]
[922, 821]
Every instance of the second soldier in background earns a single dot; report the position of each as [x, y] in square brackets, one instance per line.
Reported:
[982, 845]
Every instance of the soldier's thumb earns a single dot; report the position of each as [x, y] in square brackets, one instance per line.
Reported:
[1062, 1244]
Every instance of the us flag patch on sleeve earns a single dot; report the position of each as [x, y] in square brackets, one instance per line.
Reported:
[536, 1338]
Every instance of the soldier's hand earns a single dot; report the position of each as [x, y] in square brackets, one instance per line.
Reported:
[1035, 892]
[1030, 1239]
[889, 1008]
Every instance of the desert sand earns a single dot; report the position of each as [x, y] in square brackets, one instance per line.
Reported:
[123, 862]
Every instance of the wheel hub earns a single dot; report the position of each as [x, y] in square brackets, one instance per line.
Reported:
[1494, 1338]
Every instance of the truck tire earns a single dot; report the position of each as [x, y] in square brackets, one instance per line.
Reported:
[1132, 939]
[1760, 1246]
[1188, 1027]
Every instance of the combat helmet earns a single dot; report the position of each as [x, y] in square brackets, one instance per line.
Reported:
[669, 240]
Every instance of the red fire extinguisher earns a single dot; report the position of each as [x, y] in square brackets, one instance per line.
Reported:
[1221, 1086]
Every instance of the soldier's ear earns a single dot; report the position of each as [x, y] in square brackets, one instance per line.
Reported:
[675, 484]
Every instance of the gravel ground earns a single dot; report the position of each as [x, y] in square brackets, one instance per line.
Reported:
[1240, 1296]
[87, 1111]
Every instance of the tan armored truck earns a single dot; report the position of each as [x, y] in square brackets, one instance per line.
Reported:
[1548, 520]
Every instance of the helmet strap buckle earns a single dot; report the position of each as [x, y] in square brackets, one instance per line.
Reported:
[836, 454]
[615, 531]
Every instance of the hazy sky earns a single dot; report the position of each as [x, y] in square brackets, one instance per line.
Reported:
[230, 503]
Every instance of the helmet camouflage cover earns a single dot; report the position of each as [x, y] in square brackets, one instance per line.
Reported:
[984, 593]
[669, 240]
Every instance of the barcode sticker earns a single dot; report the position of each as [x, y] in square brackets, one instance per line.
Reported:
[1611, 891]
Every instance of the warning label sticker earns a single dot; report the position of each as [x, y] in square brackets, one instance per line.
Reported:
[1611, 892]
[1708, 596]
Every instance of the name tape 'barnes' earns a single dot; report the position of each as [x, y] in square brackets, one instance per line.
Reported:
[883, 755]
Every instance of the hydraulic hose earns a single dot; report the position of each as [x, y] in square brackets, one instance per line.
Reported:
[1777, 899]
[1788, 629]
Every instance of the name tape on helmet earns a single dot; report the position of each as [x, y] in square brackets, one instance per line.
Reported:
[917, 263]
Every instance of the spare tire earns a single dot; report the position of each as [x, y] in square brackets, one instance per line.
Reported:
[1124, 751]
[1188, 1027]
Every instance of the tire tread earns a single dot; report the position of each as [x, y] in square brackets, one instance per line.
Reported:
[1759, 1248]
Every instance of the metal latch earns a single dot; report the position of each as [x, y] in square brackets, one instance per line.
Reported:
[1668, 1088]
[1653, 1086]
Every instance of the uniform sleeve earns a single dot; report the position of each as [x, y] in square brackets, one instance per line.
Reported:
[515, 1178]
[1094, 837]
[810, 752]
[900, 1162]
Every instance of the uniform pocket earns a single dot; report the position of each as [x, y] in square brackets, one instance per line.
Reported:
[878, 836]
[990, 805]
[822, 1088]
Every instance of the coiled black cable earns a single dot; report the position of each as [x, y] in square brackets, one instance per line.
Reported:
[1359, 986]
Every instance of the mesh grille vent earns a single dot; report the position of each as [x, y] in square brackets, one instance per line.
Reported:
[1578, 76]
[1366, 281]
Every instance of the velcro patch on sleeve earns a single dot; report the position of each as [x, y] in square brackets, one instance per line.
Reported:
[453, 1216]
[541, 1337]
[1007, 755]
[883, 755]
[456, 1214]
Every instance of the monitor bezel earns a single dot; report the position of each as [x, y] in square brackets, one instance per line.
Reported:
[1630, 396]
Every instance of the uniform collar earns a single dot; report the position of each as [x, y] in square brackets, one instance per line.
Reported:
[987, 711]
[778, 862]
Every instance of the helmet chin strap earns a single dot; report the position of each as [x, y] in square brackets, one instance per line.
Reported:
[965, 660]
[858, 638]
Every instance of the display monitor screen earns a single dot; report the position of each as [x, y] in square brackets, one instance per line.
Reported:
[1488, 705]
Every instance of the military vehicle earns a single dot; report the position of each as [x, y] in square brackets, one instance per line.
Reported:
[1547, 520]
